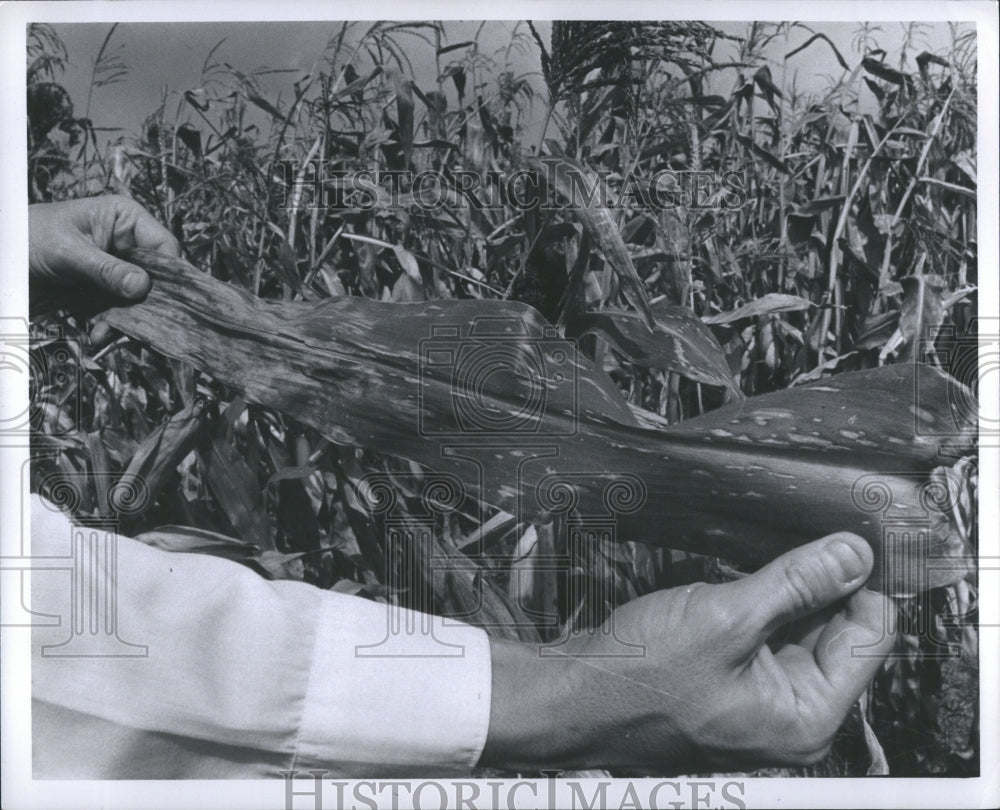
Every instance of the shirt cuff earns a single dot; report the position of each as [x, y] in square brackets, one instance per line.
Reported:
[406, 693]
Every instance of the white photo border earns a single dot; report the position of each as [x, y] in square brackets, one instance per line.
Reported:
[21, 791]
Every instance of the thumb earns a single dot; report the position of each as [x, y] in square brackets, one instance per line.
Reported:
[801, 582]
[110, 273]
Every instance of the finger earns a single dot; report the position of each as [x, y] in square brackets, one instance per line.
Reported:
[851, 648]
[111, 274]
[150, 234]
[798, 584]
[101, 334]
[805, 631]
[853, 645]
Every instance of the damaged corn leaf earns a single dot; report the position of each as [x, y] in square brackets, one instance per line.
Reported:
[748, 481]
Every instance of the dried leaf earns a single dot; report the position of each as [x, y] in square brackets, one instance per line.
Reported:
[933, 181]
[766, 305]
[406, 291]
[408, 262]
[966, 162]
[878, 764]
[267, 106]
[281, 566]
[454, 47]
[762, 78]
[292, 474]
[355, 86]
[926, 58]
[188, 539]
[761, 152]
[825, 39]
[403, 89]
[191, 138]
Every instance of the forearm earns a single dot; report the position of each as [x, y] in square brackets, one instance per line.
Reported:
[256, 675]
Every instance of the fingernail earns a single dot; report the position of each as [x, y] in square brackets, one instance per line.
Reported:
[133, 283]
[849, 562]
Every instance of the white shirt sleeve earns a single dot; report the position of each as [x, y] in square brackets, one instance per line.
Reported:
[240, 677]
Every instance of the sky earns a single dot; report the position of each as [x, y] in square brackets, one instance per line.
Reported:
[167, 58]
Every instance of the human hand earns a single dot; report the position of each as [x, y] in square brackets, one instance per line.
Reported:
[71, 247]
[761, 671]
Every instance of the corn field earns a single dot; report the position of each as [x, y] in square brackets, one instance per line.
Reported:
[840, 248]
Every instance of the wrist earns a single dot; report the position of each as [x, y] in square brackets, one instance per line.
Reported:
[528, 723]
[559, 710]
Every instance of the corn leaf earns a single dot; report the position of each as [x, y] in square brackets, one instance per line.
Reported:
[161, 452]
[748, 481]
[680, 343]
[235, 486]
[825, 39]
[769, 304]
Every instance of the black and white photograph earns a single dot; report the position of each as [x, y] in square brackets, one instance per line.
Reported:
[407, 409]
